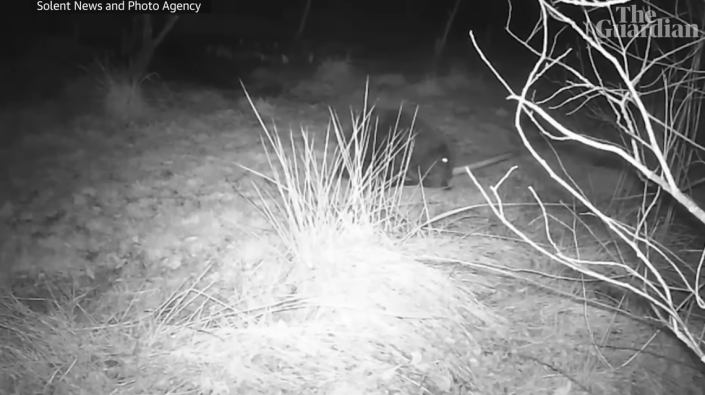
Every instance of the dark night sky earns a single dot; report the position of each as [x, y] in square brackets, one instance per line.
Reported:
[410, 16]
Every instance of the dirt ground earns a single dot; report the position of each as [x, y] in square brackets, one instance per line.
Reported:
[137, 256]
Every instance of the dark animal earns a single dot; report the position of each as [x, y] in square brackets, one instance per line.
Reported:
[396, 138]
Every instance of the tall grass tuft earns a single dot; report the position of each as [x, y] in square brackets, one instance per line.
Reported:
[124, 98]
[331, 195]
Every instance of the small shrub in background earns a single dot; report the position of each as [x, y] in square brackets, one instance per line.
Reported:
[123, 96]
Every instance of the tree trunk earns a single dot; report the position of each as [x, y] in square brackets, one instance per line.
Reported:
[441, 42]
[302, 24]
[139, 62]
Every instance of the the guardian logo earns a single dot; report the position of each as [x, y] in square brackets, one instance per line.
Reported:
[633, 22]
